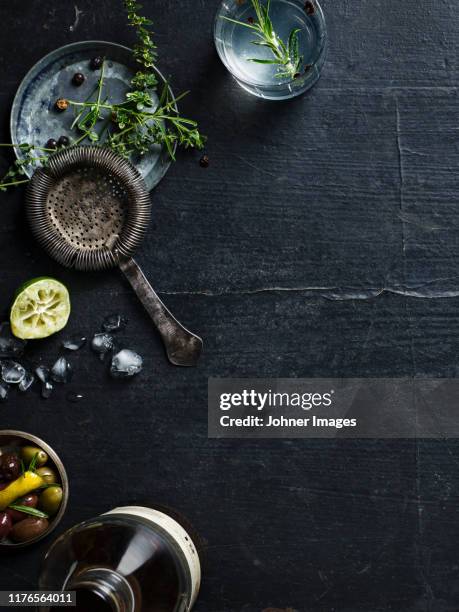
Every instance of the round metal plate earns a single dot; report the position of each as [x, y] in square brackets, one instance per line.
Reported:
[34, 119]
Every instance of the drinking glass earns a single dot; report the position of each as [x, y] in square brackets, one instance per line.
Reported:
[234, 44]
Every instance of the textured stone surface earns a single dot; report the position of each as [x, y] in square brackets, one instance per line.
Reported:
[324, 242]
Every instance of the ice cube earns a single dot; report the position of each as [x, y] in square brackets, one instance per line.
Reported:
[61, 372]
[43, 373]
[3, 391]
[26, 382]
[114, 323]
[74, 343]
[12, 372]
[10, 346]
[46, 389]
[102, 344]
[74, 397]
[125, 363]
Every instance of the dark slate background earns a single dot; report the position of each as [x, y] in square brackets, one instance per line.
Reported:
[323, 240]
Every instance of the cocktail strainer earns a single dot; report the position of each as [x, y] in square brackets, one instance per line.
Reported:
[89, 209]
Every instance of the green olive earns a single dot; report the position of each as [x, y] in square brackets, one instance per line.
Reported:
[29, 452]
[48, 474]
[28, 529]
[50, 500]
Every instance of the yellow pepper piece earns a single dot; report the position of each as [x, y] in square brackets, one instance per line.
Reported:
[19, 487]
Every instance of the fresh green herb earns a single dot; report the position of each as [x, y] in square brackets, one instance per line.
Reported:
[32, 155]
[130, 127]
[140, 122]
[90, 114]
[285, 55]
[33, 463]
[29, 510]
[145, 49]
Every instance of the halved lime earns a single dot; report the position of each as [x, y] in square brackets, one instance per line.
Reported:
[41, 308]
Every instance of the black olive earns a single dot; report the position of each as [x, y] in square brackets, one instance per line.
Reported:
[10, 466]
[78, 79]
[63, 141]
[51, 144]
[6, 525]
[96, 62]
[204, 161]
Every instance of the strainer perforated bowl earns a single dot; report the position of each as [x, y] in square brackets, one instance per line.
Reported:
[89, 209]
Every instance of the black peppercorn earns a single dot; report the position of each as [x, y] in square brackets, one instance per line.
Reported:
[204, 161]
[63, 141]
[309, 8]
[51, 144]
[78, 79]
[96, 63]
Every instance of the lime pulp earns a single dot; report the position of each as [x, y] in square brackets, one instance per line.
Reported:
[41, 308]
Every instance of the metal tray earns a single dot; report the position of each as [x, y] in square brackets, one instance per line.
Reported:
[34, 119]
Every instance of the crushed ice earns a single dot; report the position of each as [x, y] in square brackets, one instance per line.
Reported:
[74, 343]
[61, 372]
[126, 363]
[114, 323]
[12, 372]
[102, 344]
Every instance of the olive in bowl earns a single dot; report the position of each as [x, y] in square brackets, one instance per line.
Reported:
[33, 489]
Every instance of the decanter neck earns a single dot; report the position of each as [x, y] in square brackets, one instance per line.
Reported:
[111, 589]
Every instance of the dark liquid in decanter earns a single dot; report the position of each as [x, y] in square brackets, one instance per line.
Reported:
[132, 559]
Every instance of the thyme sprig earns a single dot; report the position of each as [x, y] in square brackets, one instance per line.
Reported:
[285, 55]
[139, 120]
[145, 49]
[32, 155]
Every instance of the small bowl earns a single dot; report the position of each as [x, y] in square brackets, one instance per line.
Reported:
[11, 439]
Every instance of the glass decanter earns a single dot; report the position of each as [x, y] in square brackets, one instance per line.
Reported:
[131, 559]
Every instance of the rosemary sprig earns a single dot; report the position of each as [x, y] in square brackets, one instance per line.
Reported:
[29, 510]
[285, 55]
[33, 463]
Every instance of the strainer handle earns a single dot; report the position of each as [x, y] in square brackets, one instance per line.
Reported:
[182, 347]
